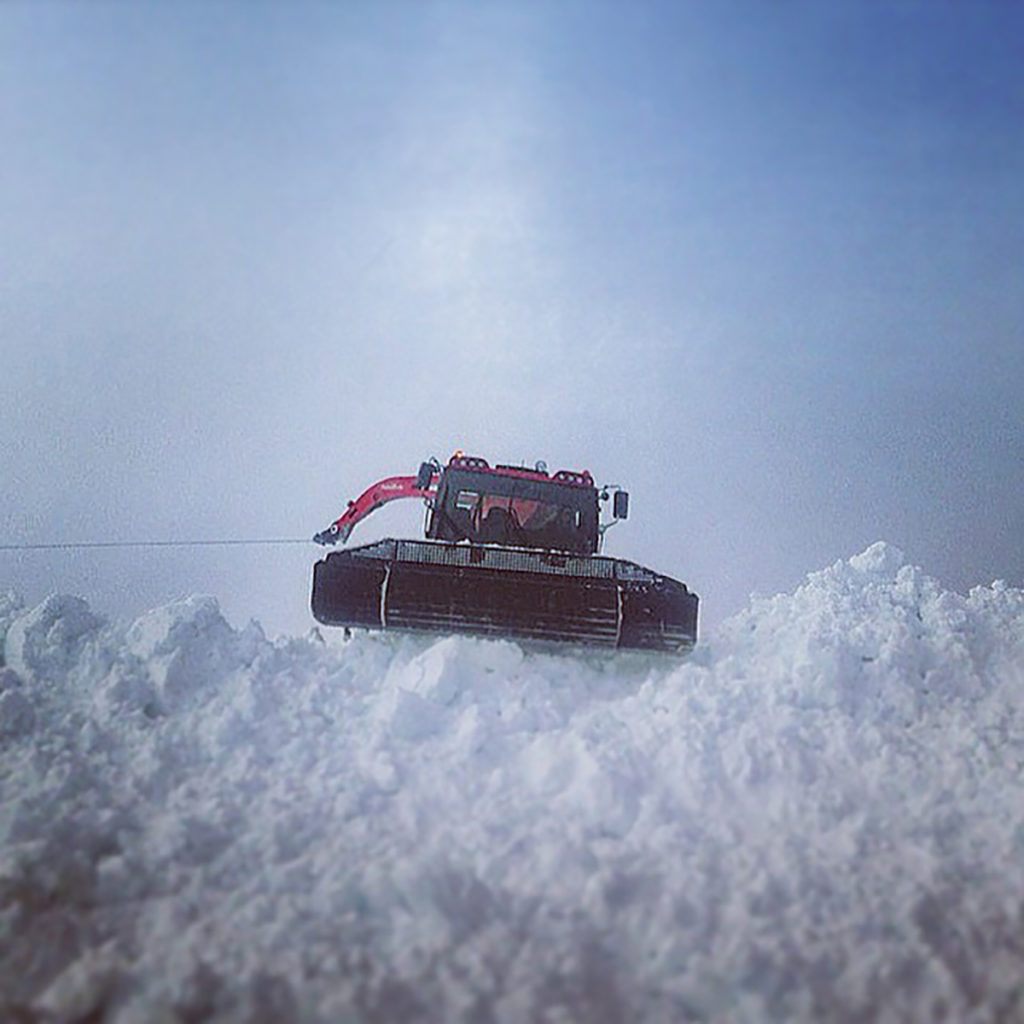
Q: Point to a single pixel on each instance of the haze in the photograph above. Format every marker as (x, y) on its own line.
(759, 263)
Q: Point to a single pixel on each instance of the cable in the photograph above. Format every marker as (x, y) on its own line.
(150, 544)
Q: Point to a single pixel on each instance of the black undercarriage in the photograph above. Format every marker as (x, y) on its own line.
(497, 591)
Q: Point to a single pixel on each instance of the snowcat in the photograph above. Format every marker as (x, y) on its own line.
(509, 552)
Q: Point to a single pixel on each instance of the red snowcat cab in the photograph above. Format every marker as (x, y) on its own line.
(510, 552)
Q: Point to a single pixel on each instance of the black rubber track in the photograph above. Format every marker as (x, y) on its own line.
(480, 590)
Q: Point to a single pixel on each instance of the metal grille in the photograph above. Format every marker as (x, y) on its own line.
(506, 559)
(486, 556)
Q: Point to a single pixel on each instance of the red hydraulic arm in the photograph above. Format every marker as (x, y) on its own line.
(380, 493)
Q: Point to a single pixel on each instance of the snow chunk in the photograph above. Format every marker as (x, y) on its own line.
(188, 646)
(48, 641)
(80, 990)
(880, 559)
(17, 715)
(11, 605)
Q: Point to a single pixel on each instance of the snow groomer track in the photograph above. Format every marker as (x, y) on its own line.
(504, 592)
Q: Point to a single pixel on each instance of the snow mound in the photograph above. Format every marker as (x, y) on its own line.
(817, 816)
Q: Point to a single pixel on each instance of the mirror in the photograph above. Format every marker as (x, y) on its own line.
(424, 476)
(620, 504)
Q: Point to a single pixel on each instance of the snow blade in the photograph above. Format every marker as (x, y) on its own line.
(519, 593)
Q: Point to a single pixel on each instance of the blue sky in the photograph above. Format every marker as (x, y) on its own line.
(759, 262)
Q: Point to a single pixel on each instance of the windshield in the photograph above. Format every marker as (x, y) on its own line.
(499, 513)
(523, 513)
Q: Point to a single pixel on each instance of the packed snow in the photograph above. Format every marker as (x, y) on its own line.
(818, 816)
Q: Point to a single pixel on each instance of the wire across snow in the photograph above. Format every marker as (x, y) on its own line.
(816, 817)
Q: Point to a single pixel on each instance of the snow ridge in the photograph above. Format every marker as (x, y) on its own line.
(817, 816)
